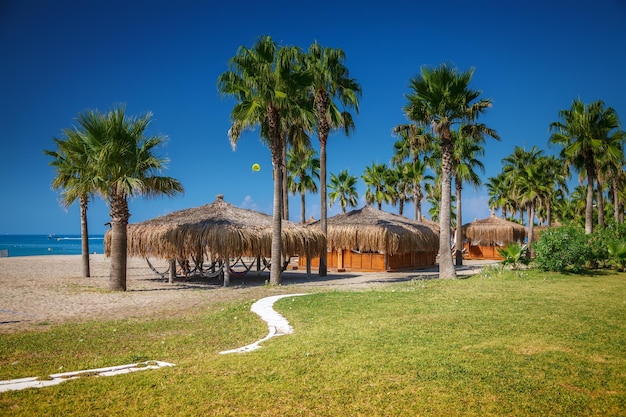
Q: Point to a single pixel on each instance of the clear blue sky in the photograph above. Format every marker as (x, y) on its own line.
(59, 58)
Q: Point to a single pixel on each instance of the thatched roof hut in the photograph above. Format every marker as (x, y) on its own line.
(374, 240)
(493, 231)
(217, 230)
(372, 230)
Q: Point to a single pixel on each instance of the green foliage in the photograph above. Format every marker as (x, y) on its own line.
(617, 253)
(514, 254)
(562, 249)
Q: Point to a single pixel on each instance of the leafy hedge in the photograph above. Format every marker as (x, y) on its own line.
(568, 248)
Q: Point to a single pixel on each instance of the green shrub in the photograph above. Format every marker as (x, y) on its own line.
(564, 248)
(514, 254)
(617, 254)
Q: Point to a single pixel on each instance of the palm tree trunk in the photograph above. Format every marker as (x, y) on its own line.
(531, 229)
(614, 186)
(323, 269)
(417, 201)
(302, 208)
(275, 269)
(458, 243)
(401, 207)
(119, 221)
(285, 190)
(446, 266)
(600, 199)
(84, 236)
(589, 202)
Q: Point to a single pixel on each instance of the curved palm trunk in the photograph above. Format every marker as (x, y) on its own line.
(446, 266)
(119, 221)
(84, 236)
(458, 241)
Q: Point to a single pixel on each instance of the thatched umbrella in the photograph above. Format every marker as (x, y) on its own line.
(372, 230)
(494, 231)
(218, 230)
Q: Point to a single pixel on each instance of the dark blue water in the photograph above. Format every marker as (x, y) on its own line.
(31, 245)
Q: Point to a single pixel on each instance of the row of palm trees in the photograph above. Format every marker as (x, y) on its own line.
(109, 155)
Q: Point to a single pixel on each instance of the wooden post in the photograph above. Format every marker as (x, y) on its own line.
(226, 271)
(172, 271)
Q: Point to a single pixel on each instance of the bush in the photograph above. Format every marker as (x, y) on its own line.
(514, 254)
(564, 248)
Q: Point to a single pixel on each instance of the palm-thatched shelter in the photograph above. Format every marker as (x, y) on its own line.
(485, 236)
(218, 231)
(369, 239)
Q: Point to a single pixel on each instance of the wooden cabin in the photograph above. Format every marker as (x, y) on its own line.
(372, 240)
(484, 237)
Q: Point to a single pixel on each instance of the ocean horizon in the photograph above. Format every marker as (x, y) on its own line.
(36, 245)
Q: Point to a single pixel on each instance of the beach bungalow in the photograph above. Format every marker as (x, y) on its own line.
(484, 237)
(218, 232)
(369, 239)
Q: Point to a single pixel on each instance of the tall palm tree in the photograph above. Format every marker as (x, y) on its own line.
(583, 133)
(75, 180)
(264, 82)
(441, 98)
(343, 187)
(303, 169)
(330, 80)
(531, 186)
(124, 166)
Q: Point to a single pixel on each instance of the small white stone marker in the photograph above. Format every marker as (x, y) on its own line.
(55, 379)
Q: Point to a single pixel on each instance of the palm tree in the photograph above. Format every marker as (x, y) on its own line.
(343, 187)
(414, 146)
(75, 180)
(303, 169)
(498, 189)
(440, 98)
(376, 177)
(583, 133)
(464, 156)
(513, 164)
(330, 80)
(124, 165)
(264, 82)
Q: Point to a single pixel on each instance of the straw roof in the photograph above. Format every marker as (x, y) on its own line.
(372, 230)
(494, 231)
(218, 229)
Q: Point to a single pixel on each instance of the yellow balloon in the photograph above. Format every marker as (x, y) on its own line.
(256, 167)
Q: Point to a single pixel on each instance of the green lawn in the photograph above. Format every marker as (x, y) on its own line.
(502, 344)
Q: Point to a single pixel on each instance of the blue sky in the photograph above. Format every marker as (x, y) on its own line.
(60, 58)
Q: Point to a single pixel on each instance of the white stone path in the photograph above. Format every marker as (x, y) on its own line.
(277, 324)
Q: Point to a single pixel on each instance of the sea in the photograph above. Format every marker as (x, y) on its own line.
(32, 245)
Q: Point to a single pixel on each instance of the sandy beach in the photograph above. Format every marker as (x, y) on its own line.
(38, 291)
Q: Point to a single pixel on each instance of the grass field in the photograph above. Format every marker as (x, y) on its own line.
(497, 344)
